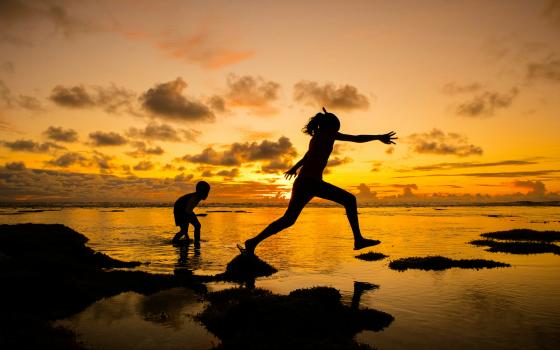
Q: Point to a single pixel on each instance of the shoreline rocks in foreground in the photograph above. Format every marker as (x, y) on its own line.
(49, 273)
(311, 318)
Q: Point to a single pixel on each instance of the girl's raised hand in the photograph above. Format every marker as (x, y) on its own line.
(290, 173)
(388, 138)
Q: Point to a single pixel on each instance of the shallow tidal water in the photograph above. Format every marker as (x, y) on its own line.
(505, 308)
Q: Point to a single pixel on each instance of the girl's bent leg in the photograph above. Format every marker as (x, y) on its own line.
(348, 200)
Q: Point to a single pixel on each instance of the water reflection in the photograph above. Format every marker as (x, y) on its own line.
(163, 320)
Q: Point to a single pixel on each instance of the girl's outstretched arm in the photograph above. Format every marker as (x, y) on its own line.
(293, 171)
(385, 138)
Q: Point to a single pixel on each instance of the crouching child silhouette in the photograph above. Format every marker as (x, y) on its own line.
(323, 129)
(184, 215)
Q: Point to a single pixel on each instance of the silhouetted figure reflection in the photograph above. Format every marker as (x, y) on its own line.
(185, 262)
(323, 128)
(184, 215)
(359, 289)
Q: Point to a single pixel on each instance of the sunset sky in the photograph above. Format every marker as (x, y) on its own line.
(138, 100)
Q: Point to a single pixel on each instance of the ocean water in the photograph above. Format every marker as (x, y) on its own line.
(506, 308)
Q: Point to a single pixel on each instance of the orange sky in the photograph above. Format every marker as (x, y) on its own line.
(137, 100)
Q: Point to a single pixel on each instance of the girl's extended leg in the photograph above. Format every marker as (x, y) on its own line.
(348, 200)
(300, 197)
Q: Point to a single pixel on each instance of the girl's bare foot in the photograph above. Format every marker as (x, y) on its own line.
(364, 243)
(250, 247)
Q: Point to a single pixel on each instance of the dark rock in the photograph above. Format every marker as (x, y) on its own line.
(524, 234)
(371, 256)
(517, 247)
(442, 263)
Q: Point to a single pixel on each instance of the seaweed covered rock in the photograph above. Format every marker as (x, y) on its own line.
(305, 319)
(517, 247)
(520, 241)
(439, 263)
(247, 267)
(524, 234)
(371, 256)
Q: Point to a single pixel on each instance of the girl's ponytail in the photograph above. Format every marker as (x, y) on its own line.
(313, 124)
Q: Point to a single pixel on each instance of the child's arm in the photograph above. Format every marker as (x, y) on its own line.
(293, 171)
(385, 138)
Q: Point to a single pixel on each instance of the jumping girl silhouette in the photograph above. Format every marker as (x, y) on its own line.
(323, 128)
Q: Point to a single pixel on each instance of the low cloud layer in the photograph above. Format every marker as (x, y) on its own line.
(267, 152)
(441, 143)
(101, 138)
(166, 100)
(163, 132)
(112, 99)
(67, 159)
(31, 146)
(487, 103)
(60, 134)
(343, 97)
(252, 92)
(547, 70)
(11, 101)
(143, 150)
(463, 165)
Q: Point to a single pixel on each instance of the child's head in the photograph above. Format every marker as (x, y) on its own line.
(322, 121)
(202, 188)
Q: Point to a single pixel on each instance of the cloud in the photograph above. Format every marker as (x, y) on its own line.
(103, 162)
(112, 99)
(163, 132)
(251, 92)
(100, 138)
(505, 174)
(461, 165)
(390, 150)
(548, 70)
(552, 11)
(18, 17)
(166, 100)
(536, 188)
(440, 143)
(227, 174)
(487, 103)
(67, 160)
(217, 103)
(75, 97)
(202, 49)
(407, 190)
(337, 161)
(7, 100)
(60, 134)
(7, 67)
(31, 146)
(144, 165)
(268, 152)
(344, 97)
(365, 193)
(15, 166)
(142, 150)
(453, 88)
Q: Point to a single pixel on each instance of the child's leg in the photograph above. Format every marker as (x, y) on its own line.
(196, 224)
(348, 200)
(183, 231)
(297, 202)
